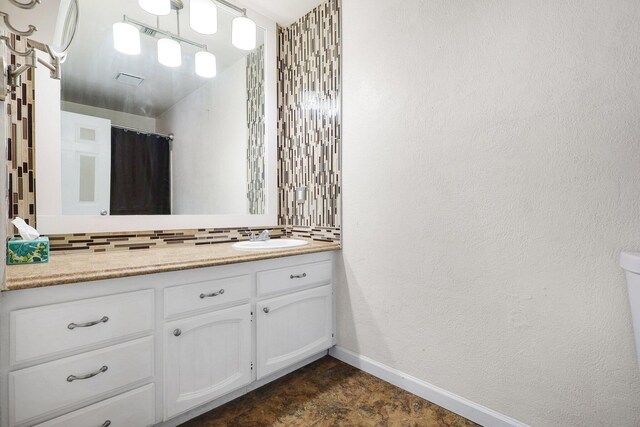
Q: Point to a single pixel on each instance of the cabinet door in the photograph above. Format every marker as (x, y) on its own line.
(206, 357)
(293, 327)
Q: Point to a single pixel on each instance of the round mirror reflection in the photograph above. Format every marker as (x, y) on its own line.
(66, 27)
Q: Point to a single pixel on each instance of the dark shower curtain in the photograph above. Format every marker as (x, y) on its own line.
(140, 174)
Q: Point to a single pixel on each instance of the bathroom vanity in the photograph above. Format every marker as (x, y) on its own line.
(132, 337)
(161, 348)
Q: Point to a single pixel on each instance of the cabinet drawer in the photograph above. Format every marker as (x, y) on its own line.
(295, 277)
(210, 293)
(135, 408)
(53, 386)
(51, 329)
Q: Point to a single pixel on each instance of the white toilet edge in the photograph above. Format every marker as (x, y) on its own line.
(630, 261)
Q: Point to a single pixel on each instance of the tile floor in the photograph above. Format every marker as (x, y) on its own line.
(329, 393)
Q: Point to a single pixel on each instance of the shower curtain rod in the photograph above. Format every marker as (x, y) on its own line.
(169, 136)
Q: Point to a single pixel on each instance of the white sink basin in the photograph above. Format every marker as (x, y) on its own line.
(270, 244)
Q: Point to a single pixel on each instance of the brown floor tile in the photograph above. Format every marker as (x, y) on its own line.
(329, 393)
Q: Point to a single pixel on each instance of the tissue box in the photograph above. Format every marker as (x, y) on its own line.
(27, 251)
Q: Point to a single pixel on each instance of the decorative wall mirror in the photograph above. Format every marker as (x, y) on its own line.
(155, 125)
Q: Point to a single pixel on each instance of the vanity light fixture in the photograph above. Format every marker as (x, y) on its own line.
(206, 65)
(243, 33)
(156, 7)
(126, 38)
(169, 48)
(203, 16)
(169, 52)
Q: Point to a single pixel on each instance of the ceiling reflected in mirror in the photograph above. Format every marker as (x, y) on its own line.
(202, 56)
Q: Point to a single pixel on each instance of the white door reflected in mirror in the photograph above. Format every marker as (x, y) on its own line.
(86, 164)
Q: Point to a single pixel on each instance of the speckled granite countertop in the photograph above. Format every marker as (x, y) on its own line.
(74, 268)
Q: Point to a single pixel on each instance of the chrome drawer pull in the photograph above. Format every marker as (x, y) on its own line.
(106, 423)
(72, 378)
(266, 310)
(72, 326)
(298, 276)
(215, 294)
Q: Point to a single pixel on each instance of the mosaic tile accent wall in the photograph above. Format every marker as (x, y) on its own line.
(256, 130)
(309, 134)
(21, 143)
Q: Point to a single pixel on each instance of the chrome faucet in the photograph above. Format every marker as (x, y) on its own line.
(262, 237)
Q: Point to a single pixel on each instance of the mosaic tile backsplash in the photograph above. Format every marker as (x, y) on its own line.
(309, 134)
(21, 144)
(102, 242)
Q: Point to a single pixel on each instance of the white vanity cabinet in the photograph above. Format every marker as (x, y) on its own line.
(160, 349)
(293, 327)
(299, 322)
(206, 357)
(64, 354)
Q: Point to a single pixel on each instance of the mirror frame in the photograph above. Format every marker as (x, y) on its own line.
(49, 218)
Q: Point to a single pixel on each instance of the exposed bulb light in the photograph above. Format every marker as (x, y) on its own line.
(126, 38)
(243, 33)
(203, 16)
(206, 65)
(169, 53)
(156, 7)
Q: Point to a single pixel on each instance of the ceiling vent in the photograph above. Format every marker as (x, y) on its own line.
(129, 79)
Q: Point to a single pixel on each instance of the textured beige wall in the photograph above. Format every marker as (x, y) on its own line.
(491, 178)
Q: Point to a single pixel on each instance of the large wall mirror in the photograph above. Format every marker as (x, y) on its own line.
(155, 125)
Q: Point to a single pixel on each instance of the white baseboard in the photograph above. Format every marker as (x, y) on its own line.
(454, 403)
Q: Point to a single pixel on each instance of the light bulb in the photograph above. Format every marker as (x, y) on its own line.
(126, 38)
(156, 7)
(203, 16)
(206, 64)
(243, 33)
(169, 53)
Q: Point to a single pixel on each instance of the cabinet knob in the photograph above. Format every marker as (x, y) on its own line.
(177, 332)
(106, 423)
(266, 309)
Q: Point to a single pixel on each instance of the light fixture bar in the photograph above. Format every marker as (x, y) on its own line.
(240, 10)
(153, 31)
